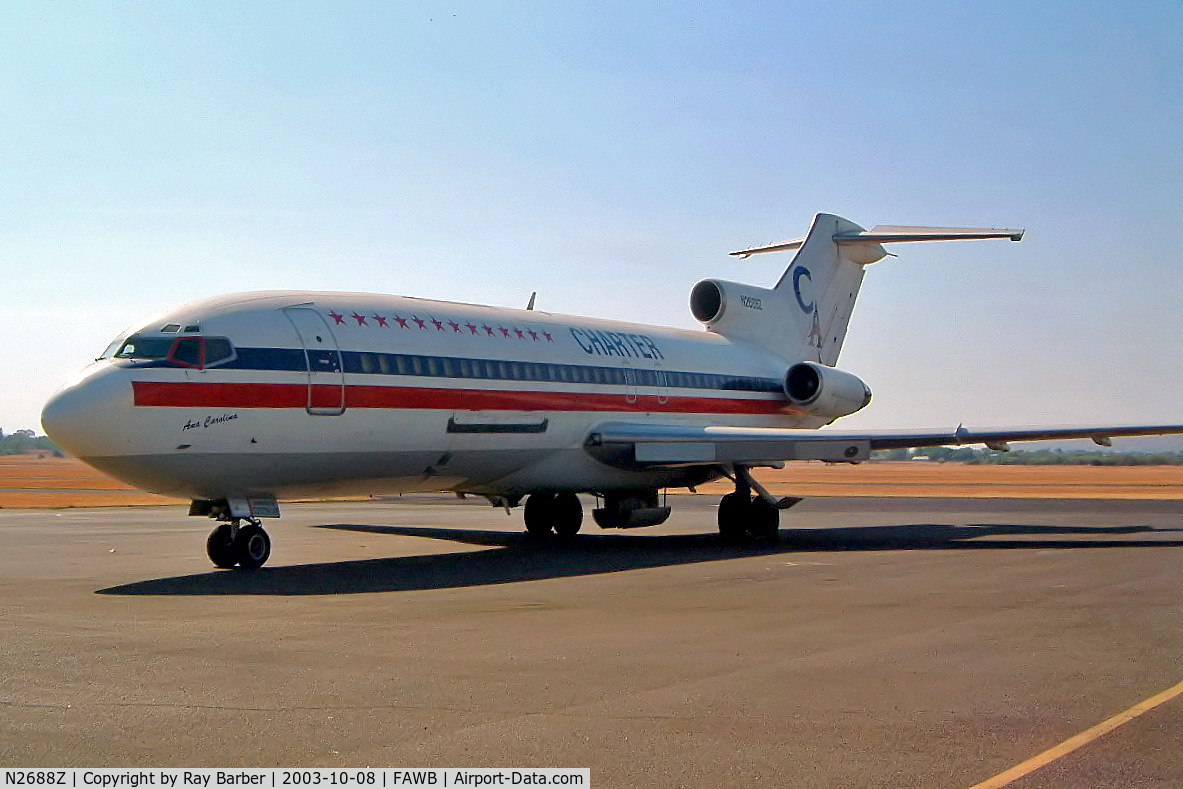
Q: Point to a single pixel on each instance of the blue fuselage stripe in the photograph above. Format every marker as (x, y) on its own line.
(403, 364)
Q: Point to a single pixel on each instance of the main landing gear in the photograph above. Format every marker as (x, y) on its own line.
(547, 513)
(234, 543)
(744, 516)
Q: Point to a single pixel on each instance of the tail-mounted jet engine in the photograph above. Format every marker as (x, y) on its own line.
(723, 305)
(825, 391)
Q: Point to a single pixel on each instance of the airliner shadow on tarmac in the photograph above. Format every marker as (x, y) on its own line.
(516, 557)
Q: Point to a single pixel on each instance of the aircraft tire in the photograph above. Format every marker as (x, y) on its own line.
(734, 512)
(567, 515)
(540, 514)
(253, 546)
(220, 548)
(764, 521)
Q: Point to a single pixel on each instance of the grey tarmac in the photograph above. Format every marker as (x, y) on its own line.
(885, 642)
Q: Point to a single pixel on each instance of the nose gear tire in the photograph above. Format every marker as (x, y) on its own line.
(253, 546)
(220, 548)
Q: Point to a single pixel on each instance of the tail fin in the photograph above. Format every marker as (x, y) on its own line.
(806, 315)
(821, 285)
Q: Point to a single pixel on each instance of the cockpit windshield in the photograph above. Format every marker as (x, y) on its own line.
(199, 352)
(111, 349)
(140, 347)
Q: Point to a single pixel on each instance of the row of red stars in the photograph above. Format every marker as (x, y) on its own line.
(404, 323)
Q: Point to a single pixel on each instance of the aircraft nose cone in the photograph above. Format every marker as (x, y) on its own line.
(82, 416)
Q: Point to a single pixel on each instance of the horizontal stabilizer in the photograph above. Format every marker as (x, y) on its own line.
(886, 234)
(883, 234)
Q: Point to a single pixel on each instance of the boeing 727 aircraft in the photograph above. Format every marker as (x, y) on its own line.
(238, 401)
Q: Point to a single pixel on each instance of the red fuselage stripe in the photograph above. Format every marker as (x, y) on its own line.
(260, 395)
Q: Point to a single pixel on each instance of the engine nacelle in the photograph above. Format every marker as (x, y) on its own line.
(716, 302)
(825, 391)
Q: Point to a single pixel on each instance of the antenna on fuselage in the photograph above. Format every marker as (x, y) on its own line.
(530, 306)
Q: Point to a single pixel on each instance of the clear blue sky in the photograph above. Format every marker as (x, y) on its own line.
(608, 155)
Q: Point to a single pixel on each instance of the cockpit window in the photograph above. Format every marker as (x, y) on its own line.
(111, 349)
(140, 347)
(196, 352)
(186, 352)
(217, 350)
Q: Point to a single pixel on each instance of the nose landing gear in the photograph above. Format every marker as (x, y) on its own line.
(239, 538)
(246, 545)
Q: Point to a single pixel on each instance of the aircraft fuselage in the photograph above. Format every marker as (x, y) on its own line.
(319, 393)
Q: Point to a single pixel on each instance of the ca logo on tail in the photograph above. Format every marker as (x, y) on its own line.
(815, 332)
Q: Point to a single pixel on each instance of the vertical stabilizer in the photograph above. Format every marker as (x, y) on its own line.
(806, 315)
(821, 285)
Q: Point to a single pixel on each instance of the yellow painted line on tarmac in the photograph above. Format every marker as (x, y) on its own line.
(1080, 740)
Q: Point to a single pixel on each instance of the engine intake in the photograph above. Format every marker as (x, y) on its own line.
(825, 391)
(727, 306)
(707, 302)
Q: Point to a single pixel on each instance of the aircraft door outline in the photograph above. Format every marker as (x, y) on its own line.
(631, 382)
(326, 374)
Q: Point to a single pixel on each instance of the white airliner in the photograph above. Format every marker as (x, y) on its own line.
(241, 400)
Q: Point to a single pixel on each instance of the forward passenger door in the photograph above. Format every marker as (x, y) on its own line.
(326, 377)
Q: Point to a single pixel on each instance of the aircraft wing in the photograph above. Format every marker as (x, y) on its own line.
(631, 444)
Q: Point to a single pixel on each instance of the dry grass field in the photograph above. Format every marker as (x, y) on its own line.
(30, 481)
(27, 481)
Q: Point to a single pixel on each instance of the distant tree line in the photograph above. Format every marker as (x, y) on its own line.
(26, 441)
(1040, 457)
